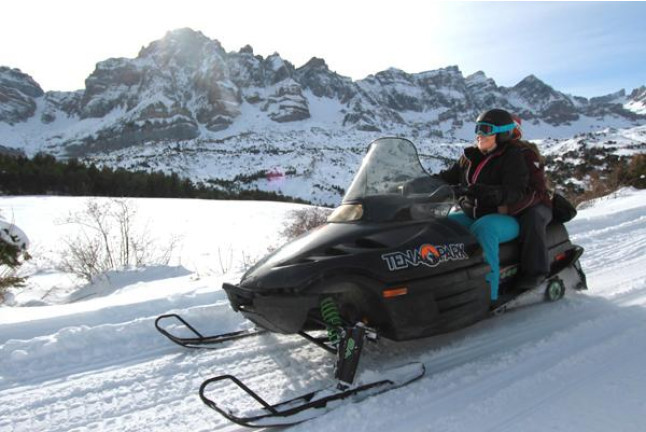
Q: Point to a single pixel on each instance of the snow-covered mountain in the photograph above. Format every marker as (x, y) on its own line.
(87, 357)
(185, 104)
(186, 85)
(317, 165)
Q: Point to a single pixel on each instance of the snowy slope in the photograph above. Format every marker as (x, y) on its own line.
(318, 163)
(98, 363)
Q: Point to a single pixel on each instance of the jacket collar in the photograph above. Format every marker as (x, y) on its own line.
(474, 153)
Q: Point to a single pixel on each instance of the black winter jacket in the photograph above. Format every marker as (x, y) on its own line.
(537, 192)
(504, 171)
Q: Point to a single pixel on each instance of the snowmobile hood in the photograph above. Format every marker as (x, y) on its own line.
(328, 242)
(399, 205)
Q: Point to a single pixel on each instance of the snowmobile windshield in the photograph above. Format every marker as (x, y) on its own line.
(391, 184)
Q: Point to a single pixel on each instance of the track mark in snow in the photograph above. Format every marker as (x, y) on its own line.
(471, 387)
(106, 397)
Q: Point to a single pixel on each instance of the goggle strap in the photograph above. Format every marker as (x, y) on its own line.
(497, 129)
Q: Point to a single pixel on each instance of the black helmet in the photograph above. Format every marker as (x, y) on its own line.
(500, 118)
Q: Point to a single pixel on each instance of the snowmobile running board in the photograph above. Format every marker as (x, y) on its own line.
(200, 341)
(313, 404)
(568, 276)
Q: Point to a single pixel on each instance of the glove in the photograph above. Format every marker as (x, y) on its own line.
(486, 194)
(459, 190)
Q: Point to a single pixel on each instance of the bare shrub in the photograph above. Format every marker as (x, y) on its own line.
(227, 262)
(303, 220)
(225, 259)
(107, 239)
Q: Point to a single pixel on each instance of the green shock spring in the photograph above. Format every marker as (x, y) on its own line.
(332, 318)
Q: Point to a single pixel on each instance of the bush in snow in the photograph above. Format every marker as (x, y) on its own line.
(636, 172)
(13, 252)
(625, 172)
(107, 239)
(303, 220)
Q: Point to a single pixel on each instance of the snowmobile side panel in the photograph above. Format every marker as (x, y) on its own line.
(438, 304)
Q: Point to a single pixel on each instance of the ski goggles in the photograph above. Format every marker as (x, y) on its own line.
(486, 129)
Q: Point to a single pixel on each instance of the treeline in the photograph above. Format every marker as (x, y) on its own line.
(45, 175)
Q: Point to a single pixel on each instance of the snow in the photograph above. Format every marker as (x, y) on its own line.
(638, 107)
(89, 357)
(620, 142)
(13, 235)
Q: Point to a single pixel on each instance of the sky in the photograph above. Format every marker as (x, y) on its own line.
(580, 48)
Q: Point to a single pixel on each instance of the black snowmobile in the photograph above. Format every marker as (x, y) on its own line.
(388, 263)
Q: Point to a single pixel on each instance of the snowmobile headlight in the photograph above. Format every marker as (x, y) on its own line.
(346, 213)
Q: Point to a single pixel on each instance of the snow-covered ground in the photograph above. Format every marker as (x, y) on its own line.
(77, 357)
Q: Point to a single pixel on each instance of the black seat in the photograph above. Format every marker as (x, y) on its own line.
(510, 251)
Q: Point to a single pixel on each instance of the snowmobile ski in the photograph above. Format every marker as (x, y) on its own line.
(200, 341)
(310, 405)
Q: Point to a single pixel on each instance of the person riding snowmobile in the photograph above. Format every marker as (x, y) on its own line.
(534, 213)
(495, 176)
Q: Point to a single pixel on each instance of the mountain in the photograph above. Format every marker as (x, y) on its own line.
(185, 104)
(636, 102)
(186, 86)
(18, 94)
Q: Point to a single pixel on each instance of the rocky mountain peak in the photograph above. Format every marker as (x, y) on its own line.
(275, 69)
(637, 100)
(392, 73)
(17, 93)
(615, 97)
(247, 49)
(316, 76)
(20, 81)
(451, 70)
(638, 93)
(315, 63)
(185, 85)
(533, 83)
(533, 90)
(479, 78)
(183, 46)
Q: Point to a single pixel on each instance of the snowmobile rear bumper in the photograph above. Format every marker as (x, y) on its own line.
(277, 312)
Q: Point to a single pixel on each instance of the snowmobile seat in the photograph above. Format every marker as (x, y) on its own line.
(557, 237)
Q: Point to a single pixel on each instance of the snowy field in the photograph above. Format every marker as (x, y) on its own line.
(77, 357)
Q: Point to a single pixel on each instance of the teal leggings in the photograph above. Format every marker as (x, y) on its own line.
(490, 230)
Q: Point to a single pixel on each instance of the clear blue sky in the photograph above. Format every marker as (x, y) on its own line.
(582, 48)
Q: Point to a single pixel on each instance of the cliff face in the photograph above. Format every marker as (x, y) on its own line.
(18, 92)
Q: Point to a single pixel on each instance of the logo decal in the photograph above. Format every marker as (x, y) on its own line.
(426, 254)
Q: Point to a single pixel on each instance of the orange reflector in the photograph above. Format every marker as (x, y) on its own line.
(560, 256)
(395, 292)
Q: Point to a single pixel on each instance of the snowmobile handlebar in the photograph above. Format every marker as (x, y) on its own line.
(459, 190)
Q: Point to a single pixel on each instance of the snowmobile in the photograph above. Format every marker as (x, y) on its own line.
(388, 263)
